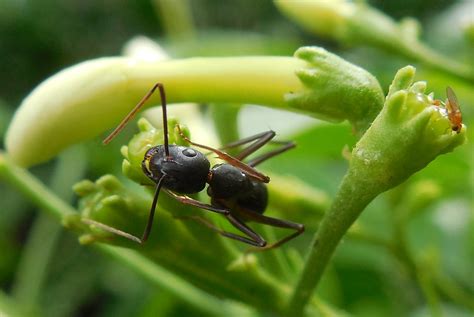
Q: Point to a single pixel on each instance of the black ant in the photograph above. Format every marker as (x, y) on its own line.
(237, 189)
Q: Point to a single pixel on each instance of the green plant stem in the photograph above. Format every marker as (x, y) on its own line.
(176, 17)
(422, 273)
(349, 202)
(225, 119)
(280, 265)
(358, 24)
(167, 280)
(362, 235)
(32, 188)
(441, 283)
(33, 267)
(394, 42)
(9, 307)
(39, 194)
(429, 291)
(452, 290)
(433, 59)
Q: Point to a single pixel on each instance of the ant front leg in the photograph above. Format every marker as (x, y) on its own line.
(146, 232)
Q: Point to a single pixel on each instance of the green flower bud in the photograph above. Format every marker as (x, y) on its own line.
(107, 201)
(408, 134)
(336, 89)
(84, 100)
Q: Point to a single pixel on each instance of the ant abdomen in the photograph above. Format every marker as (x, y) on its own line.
(255, 198)
(230, 187)
(185, 170)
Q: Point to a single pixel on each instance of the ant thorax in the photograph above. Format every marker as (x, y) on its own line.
(185, 170)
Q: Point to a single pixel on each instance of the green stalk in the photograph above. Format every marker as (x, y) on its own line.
(164, 279)
(33, 266)
(429, 291)
(32, 188)
(408, 134)
(451, 289)
(349, 202)
(358, 24)
(176, 17)
(9, 307)
(42, 197)
(225, 118)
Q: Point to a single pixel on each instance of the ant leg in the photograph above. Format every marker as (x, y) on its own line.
(259, 159)
(275, 222)
(258, 140)
(261, 139)
(196, 203)
(249, 170)
(253, 238)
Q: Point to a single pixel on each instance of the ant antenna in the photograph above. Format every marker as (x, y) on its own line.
(146, 232)
(134, 111)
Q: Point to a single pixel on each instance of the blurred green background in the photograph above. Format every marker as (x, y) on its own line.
(48, 273)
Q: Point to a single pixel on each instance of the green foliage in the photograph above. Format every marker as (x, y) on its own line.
(409, 253)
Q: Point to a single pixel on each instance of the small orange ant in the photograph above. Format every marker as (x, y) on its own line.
(452, 109)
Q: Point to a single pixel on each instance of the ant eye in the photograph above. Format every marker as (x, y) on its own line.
(189, 152)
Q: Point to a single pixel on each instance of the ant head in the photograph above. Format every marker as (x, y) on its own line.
(185, 170)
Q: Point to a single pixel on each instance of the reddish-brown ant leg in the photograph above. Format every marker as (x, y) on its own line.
(250, 171)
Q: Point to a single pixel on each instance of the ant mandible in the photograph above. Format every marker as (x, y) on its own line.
(237, 189)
